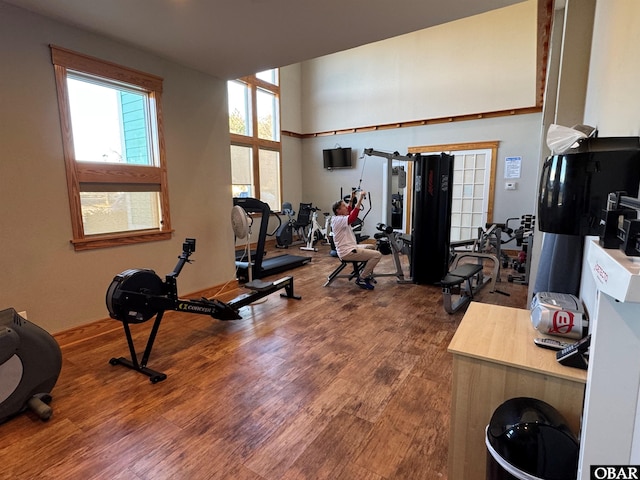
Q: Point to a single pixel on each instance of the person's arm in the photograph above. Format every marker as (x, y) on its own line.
(350, 204)
(353, 214)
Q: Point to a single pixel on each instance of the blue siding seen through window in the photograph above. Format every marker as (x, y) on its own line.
(134, 124)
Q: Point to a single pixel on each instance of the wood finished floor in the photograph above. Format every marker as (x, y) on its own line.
(344, 384)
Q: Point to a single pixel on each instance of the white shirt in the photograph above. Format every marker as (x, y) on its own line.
(343, 236)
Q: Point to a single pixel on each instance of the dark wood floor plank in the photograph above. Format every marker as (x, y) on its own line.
(345, 384)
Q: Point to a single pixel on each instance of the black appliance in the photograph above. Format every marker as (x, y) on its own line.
(337, 158)
(574, 186)
(433, 182)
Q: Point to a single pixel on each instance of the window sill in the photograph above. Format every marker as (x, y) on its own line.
(105, 241)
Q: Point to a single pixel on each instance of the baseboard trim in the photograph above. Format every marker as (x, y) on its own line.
(82, 333)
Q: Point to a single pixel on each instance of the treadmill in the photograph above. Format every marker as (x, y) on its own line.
(263, 267)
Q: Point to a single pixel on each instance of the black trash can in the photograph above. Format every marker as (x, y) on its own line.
(528, 439)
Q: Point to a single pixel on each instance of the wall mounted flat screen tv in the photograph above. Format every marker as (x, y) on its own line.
(337, 158)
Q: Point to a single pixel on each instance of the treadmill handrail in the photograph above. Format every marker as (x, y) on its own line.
(253, 205)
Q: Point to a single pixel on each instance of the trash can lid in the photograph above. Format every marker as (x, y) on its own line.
(534, 437)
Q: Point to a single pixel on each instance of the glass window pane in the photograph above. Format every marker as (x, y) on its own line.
(268, 121)
(270, 178)
(270, 76)
(469, 161)
(467, 234)
(241, 171)
(477, 220)
(136, 128)
(468, 176)
(108, 212)
(239, 108)
(109, 124)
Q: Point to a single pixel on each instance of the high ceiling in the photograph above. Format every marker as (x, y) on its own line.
(232, 38)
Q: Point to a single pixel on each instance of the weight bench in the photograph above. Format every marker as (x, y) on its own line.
(466, 279)
(357, 268)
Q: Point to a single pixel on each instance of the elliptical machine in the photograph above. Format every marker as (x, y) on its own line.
(30, 363)
(285, 231)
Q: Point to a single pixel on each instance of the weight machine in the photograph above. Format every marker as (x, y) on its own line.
(388, 242)
(137, 295)
(395, 243)
(390, 157)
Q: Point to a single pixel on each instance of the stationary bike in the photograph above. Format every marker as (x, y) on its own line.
(316, 232)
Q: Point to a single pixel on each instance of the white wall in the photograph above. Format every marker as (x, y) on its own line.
(518, 136)
(41, 273)
(291, 121)
(613, 96)
(477, 64)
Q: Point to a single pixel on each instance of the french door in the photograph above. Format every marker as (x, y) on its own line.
(473, 185)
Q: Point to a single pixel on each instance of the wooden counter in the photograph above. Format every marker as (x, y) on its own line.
(495, 359)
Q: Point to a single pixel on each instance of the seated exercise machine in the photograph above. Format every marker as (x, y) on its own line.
(388, 242)
(355, 273)
(137, 295)
(30, 363)
(261, 266)
(465, 279)
(491, 239)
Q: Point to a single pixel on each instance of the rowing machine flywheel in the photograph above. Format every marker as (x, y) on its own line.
(126, 296)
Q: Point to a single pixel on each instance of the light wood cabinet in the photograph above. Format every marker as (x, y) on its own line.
(495, 359)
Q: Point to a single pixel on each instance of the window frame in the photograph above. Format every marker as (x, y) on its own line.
(253, 140)
(110, 176)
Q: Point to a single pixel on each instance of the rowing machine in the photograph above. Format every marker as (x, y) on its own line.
(137, 295)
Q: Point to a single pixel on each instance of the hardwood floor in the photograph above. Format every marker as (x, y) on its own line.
(343, 384)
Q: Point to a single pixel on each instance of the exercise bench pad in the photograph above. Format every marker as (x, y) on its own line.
(460, 274)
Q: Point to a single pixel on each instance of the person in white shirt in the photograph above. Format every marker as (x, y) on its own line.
(344, 239)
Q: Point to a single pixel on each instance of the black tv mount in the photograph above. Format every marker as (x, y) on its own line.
(137, 295)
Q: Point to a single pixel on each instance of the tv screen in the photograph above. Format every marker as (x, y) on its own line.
(337, 158)
(575, 185)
